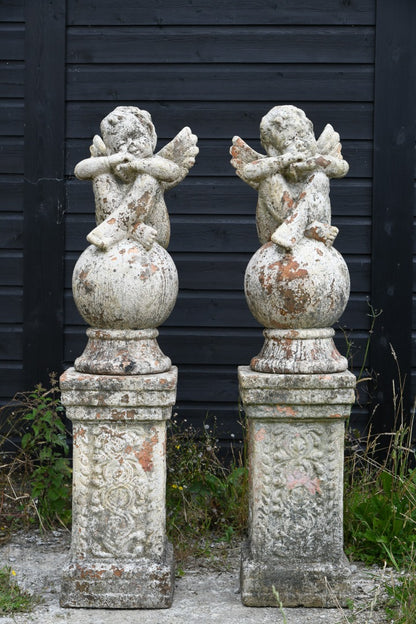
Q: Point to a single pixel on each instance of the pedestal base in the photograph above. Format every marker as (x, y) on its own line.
(122, 352)
(139, 584)
(299, 351)
(295, 454)
(119, 554)
(298, 585)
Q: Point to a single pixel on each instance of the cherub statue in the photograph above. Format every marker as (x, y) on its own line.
(293, 179)
(129, 181)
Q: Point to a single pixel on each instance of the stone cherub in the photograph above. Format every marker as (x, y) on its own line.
(129, 180)
(293, 179)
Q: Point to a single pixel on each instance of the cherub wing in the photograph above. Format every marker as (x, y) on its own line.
(242, 154)
(329, 146)
(182, 151)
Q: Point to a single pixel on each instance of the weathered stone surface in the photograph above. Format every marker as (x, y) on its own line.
(296, 441)
(122, 352)
(305, 289)
(126, 280)
(119, 554)
(296, 280)
(299, 351)
(297, 392)
(128, 287)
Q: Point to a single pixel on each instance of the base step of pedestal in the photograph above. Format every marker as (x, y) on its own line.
(303, 585)
(101, 584)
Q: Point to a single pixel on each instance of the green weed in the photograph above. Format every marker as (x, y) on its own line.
(35, 474)
(401, 604)
(206, 497)
(12, 598)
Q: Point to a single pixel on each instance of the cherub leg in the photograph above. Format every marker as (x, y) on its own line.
(135, 206)
(291, 230)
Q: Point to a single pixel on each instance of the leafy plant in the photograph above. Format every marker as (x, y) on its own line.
(206, 497)
(401, 604)
(35, 474)
(380, 494)
(12, 598)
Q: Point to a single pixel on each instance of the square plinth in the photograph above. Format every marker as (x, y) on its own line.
(139, 584)
(119, 554)
(295, 425)
(301, 584)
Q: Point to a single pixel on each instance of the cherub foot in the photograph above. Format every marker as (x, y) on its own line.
(279, 239)
(144, 234)
(105, 235)
(322, 232)
(94, 239)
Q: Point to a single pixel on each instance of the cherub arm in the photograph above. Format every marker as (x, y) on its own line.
(99, 162)
(161, 168)
(242, 156)
(253, 167)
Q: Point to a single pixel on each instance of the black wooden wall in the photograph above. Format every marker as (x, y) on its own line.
(217, 66)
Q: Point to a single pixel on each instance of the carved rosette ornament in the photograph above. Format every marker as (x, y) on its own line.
(297, 392)
(120, 392)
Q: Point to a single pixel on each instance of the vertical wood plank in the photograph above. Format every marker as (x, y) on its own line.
(44, 193)
(394, 136)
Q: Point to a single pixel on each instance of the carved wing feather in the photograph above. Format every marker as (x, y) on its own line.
(242, 154)
(328, 143)
(182, 150)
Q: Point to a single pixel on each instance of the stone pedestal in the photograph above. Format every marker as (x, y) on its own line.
(119, 557)
(296, 443)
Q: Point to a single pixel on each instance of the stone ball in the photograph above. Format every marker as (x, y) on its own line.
(126, 287)
(308, 288)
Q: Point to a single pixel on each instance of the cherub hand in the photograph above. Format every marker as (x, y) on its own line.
(98, 147)
(144, 234)
(297, 170)
(120, 157)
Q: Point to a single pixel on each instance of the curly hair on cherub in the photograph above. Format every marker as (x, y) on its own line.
(139, 120)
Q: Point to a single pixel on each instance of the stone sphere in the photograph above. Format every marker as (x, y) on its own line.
(126, 287)
(308, 288)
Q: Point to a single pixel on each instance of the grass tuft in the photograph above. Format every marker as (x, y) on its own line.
(12, 598)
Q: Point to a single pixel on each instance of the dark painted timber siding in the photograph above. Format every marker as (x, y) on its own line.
(217, 67)
(12, 35)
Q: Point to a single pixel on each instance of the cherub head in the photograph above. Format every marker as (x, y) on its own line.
(129, 129)
(287, 129)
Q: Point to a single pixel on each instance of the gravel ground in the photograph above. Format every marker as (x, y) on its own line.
(207, 592)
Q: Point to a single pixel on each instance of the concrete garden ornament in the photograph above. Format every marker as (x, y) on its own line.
(125, 284)
(120, 393)
(297, 392)
(296, 280)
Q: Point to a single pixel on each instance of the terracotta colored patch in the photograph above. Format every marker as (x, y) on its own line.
(335, 416)
(287, 199)
(111, 221)
(117, 572)
(287, 411)
(288, 269)
(260, 435)
(299, 478)
(78, 433)
(145, 455)
(322, 162)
